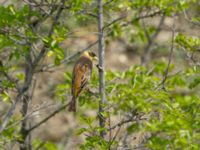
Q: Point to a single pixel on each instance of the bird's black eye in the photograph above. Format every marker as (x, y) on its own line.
(92, 54)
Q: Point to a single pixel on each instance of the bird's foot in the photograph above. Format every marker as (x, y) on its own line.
(99, 67)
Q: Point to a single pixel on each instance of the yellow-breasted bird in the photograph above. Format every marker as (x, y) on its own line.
(81, 74)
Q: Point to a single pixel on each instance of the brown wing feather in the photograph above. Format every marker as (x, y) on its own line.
(82, 74)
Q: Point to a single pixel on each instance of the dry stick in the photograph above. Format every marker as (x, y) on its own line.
(170, 55)
(101, 68)
(48, 117)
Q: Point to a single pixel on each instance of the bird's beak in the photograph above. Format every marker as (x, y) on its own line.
(95, 58)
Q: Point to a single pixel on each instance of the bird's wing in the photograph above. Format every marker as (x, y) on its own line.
(82, 73)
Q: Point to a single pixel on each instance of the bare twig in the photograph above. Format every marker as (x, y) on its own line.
(114, 21)
(48, 117)
(170, 55)
(115, 136)
(133, 118)
(134, 19)
(121, 123)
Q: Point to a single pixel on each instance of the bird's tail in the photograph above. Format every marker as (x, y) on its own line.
(72, 105)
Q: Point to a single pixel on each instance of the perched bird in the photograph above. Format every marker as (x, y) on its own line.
(81, 74)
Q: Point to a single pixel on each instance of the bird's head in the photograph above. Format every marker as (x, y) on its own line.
(91, 55)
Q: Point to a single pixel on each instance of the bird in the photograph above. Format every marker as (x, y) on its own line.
(81, 74)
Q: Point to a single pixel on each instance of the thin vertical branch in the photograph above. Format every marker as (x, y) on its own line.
(170, 55)
(101, 68)
(147, 49)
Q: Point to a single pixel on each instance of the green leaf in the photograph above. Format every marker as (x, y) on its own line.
(81, 130)
(194, 83)
(50, 146)
(5, 96)
(53, 43)
(132, 128)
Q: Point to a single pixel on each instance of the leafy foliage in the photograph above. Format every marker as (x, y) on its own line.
(31, 42)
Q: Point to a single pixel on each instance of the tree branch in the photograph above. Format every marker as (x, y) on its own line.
(134, 19)
(48, 117)
(121, 123)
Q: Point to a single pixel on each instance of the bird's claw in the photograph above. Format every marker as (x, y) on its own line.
(99, 67)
